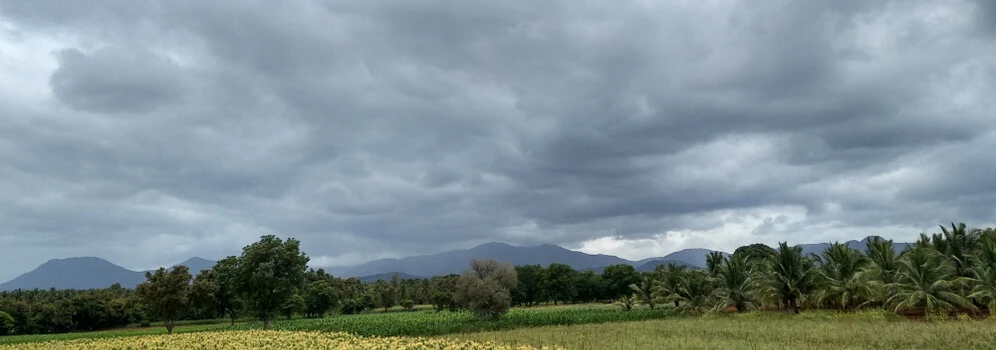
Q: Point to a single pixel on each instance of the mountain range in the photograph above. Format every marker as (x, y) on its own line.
(90, 272)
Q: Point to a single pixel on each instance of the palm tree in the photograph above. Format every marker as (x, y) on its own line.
(693, 289)
(983, 281)
(790, 277)
(924, 280)
(713, 260)
(958, 245)
(881, 271)
(645, 290)
(841, 284)
(735, 283)
(668, 278)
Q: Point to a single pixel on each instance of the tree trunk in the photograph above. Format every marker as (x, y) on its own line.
(266, 323)
(792, 307)
(233, 319)
(169, 326)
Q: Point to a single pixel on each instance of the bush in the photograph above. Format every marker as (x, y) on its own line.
(145, 324)
(408, 304)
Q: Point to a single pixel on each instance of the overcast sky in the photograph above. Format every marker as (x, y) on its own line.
(147, 132)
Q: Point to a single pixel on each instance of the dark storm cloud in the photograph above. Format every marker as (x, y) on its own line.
(190, 128)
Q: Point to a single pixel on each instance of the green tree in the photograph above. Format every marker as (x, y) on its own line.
(560, 282)
(713, 261)
(618, 278)
(166, 294)
(293, 305)
(790, 276)
(529, 290)
(842, 285)
(694, 290)
(924, 282)
(384, 294)
(6, 323)
(320, 297)
(645, 290)
(590, 287)
(668, 277)
(735, 283)
(754, 253)
(485, 288)
(225, 274)
(204, 295)
(983, 280)
(268, 274)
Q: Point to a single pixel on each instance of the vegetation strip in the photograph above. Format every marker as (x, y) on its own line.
(265, 340)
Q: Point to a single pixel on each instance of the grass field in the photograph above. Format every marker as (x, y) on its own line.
(757, 331)
(598, 327)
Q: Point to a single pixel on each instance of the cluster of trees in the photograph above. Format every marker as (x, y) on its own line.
(953, 271)
(56, 311)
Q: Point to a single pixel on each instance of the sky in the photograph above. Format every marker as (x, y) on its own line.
(147, 132)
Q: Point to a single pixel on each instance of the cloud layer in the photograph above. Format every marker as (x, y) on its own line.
(147, 132)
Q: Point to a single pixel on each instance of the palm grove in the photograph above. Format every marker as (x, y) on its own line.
(940, 274)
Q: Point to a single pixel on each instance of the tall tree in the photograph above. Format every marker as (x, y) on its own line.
(735, 283)
(225, 275)
(645, 290)
(925, 281)
(790, 276)
(204, 295)
(485, 287)
(668, 277)
(269, 273)
(529, 290)
(166, 294)
(618, 278)
(560, 282)
(713, 261)
(842, 285)
(319, 298)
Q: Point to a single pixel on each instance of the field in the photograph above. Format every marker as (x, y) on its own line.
(586, 327)
(758, 331)
(263, 340)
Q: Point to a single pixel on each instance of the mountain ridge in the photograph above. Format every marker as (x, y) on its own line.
(93, 272)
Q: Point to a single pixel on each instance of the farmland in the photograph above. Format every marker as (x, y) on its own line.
(598, 330)
(263, 340)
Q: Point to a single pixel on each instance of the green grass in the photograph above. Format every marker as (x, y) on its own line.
(430, 323)
(817, 330)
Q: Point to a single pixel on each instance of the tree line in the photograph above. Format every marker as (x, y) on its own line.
(952, 271)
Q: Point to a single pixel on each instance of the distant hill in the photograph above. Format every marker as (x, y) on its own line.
(387, 277)
(86, 273)
(649, 266)
(691, 257)
(862, 245)
(456, 260)
(195, 265)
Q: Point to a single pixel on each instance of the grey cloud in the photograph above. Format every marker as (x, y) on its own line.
(115, 79)
(374, 126)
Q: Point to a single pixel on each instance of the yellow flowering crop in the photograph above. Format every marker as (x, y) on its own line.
(237, 340)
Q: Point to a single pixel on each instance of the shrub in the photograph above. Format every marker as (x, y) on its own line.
(408, 304)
